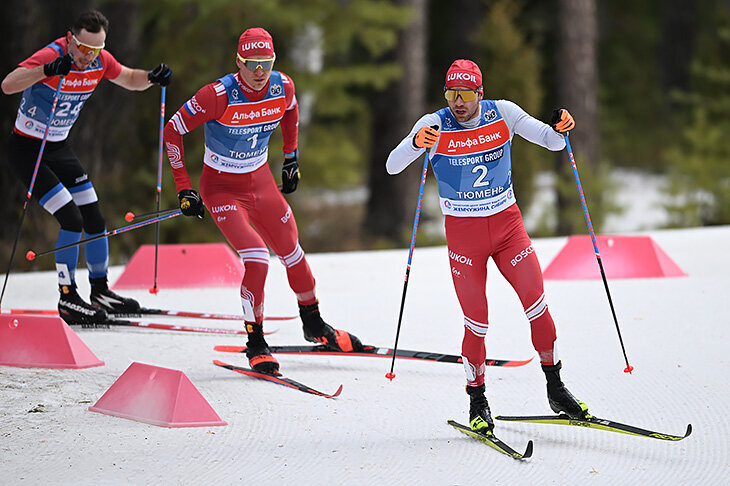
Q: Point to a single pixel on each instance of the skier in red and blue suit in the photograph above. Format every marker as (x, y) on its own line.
(470, 145)
(239, 112)
(62, 185)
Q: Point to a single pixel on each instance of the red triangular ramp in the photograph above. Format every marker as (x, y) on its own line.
(42, 342)
(182, 266)
(157, 396)
(622, 257)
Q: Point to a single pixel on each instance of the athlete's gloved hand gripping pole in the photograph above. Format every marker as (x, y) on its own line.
(428, 140)
(161, 75)
(562, 122)
(31, 255)
(60, 66)
(426, 137)
(290, 172)
(190, 203)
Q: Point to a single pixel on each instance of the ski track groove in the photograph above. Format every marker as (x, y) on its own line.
(270, 425)
(378, 432)
(624, 399)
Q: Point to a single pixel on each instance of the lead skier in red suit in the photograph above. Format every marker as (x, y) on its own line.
(240, 111)
(470, 145)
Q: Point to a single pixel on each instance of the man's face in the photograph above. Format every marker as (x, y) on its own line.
(253, 73)
(85, 46)
(464, 110)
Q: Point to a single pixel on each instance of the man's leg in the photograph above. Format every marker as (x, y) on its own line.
(55, 198)
(229, 207)
(516, 260)
(518, 263)
(274, 220)
(469, 247)
(73, 176)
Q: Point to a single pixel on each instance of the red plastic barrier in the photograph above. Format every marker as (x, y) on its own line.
(42, 342)
(182, 266)
(157, 396)
(622, 257)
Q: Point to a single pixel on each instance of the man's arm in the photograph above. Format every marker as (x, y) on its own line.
(207, 104)
(290, 134)
(132, 79)
(22, 78)
(405, 153)
(290, 121)
(44, 63)
(529, 128)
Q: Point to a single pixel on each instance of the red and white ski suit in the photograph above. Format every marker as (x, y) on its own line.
(472, 164)
(237, 187)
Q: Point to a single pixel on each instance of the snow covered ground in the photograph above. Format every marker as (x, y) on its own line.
(378, 432)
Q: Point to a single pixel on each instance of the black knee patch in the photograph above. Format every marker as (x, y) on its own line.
(69, 217)
(92, 218)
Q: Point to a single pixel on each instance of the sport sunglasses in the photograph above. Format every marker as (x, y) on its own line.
(466, 94)
(254, 64)
(86, 49)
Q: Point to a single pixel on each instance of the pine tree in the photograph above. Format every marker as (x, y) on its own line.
(700, 179)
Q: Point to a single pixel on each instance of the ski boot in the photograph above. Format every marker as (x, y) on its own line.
(113, 303)
(257, 351)
(318, 331)
(480, 417)
(559, 398)
(73, 309)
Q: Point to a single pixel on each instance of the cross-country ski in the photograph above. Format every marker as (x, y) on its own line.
(277, 378)
(144, 311)
(373, 351)
(492, 441)
(594, 423)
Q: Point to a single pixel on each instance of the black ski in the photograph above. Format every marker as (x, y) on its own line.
(375, 352)
(200, 315)
(158, 312)
(492, 441)
(594, 423)
(165, 327)
(277, 378)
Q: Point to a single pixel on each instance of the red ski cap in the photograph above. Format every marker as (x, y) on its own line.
(464, 74)
(255, 42)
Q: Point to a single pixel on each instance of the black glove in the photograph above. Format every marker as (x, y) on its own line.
(60, 66)
(290, 173)
(190, 203)
(160, 75)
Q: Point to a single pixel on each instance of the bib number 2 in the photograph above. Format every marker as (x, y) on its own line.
(480, 180)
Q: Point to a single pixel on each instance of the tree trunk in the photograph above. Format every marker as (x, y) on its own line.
(392, 200)
(577, 75)
(679, 29)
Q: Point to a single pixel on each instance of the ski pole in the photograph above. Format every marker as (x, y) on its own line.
(154, 289)
(130, 216)
(32, 184)
(390, 375)
(31, 255)
(628, 368)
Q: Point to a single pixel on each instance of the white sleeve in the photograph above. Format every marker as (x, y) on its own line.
(405, 153)
(529, 128)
